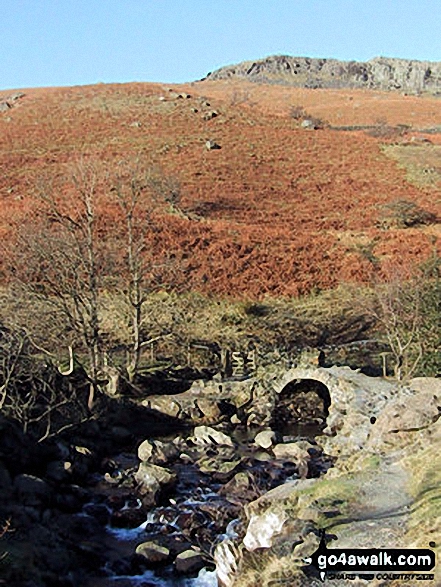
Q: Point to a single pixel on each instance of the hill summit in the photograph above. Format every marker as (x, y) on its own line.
(380, 73)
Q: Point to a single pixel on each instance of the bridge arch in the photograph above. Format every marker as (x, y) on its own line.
(303, 396)
(302, 401)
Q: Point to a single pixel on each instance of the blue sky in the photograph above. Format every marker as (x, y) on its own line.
(71, 42)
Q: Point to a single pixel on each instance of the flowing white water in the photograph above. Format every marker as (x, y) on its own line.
(230, 531)
(204, 579)
(128, 534)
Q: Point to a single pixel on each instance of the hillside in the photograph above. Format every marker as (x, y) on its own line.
(189, 378)
(380, 73)
(281, 208)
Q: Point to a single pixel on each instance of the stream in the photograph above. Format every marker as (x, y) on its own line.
(213, 480)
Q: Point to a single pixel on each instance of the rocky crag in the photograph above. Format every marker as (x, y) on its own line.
(380, 73)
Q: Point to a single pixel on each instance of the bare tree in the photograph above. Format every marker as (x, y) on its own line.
(142, 192)
(67, 257)
(398, 310)
(129, 192)
(63, 260)
(408, 310)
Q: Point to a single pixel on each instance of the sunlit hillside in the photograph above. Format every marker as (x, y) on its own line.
(304, 189)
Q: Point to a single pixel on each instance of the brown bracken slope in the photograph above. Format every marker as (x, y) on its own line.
(279, 209)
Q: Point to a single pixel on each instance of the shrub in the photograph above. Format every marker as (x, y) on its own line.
(298, 113)
(404, 214)
(33, 391)
(408, 313)
(256, 309)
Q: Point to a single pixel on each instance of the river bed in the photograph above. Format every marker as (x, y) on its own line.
(203, 509)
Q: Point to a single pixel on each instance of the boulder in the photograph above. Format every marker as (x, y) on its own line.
(79, 527)
(128, 518)
(212, 146)
(66, 500)
(164, 452)
(210, 115)
(189, 562)
(124, 566)
(210, 409)
(120, 434)
(153, 552)
(241, 487)
(32, 491)
(220, 470)
(207, 435)
(16, 96)
(293, 450)
(262, 456)
(145, 450)
(296, 452)
(186, 519)
(157, 452)
(262, 528)
(164, 405)
(151, 480)
(310, 124)
(265, 438)
(417, 409)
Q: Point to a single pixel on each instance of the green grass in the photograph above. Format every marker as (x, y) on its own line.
(421, 162)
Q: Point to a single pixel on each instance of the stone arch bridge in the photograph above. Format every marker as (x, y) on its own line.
(348, 399)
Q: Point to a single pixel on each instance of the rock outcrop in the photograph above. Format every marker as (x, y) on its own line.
(380, 73)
